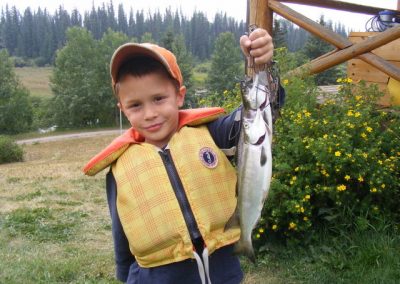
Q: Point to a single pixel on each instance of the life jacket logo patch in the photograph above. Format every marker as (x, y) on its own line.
(208, 157)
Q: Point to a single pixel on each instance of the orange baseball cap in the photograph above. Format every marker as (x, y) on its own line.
(130, 50)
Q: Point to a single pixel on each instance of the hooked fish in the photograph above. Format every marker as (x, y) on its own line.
(254, 159)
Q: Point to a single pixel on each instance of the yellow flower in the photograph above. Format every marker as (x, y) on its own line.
(375, 208)
(325, 121)
(380, 162)
(365, 155)
(339, 80)
(383, 185)
(374, 189)
(349, 155)
(360, 179)
(358, 98)
(369, 129)
(357, 114)
(258, 236)
(305, 218)
(274, 227)
(307, 197)
(302, 209)
(350, 112)
(363, 135)
(346, 177)
(337, 153)
(325, 136)
(225, 92)
(341, 187)
(296, 169)
(285, 82)
(261, 230)
(292, 226)
(349, 80)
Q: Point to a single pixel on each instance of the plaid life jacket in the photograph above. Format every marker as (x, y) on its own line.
(150, 182)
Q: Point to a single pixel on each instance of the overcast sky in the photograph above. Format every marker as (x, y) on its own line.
(233, 8)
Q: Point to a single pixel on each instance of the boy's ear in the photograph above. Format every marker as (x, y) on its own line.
(120, 106)
(181, 96)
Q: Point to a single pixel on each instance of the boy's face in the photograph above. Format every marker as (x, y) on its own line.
(151, 104)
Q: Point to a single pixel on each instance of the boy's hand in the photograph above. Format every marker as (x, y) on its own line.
(257, 45)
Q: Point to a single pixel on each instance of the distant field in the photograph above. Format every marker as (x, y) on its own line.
(36, 80)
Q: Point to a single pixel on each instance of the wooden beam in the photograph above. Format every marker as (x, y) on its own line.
(326, 62)
(331, 37)
(340, 5)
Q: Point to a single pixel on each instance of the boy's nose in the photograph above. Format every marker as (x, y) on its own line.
(149, 113)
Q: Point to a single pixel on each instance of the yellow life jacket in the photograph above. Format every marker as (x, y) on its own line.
(146, 202)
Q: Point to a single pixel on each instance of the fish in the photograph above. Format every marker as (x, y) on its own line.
(253, 159)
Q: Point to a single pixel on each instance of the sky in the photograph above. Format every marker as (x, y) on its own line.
(233, 8)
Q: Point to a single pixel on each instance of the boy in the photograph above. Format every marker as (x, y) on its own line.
(170, 188)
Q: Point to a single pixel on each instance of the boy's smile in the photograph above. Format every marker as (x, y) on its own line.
(151, 104)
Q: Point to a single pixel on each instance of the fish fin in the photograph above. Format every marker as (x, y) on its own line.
(263, 157)
(233, 221)
(245, 247)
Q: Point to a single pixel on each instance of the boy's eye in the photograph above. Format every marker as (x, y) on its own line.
(134, 105)
(160, 98)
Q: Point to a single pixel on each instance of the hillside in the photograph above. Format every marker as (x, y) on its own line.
(36, 80)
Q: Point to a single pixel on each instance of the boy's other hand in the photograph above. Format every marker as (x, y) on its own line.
(258, 45)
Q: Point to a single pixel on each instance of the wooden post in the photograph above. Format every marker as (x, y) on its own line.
(398, 5)
(260, 14)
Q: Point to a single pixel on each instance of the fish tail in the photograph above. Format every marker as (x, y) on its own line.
(245, 247)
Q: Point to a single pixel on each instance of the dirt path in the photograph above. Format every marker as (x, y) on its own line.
(69, 136)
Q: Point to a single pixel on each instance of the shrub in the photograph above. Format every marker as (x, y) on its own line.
(9, 150)
(336, 163)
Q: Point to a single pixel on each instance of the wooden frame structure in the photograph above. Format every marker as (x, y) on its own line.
(261, 14)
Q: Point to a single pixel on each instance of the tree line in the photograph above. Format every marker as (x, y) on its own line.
(37, 34)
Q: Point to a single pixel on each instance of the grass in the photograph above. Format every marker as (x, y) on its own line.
(36, 80)
(55, 228)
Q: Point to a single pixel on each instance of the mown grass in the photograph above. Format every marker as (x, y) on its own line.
(55, 228)
(36, 80)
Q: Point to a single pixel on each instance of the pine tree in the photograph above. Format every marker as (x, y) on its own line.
(316, 47)
(122, 21)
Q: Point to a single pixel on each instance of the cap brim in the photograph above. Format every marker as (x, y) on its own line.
(130, 50)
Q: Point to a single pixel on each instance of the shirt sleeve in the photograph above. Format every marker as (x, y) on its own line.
(123, 256)
(225, 130)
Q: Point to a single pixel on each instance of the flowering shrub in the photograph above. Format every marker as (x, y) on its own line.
(336, 159)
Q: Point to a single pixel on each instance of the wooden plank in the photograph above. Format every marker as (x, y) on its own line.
(359, 70)
(339, 5)
(389, 51)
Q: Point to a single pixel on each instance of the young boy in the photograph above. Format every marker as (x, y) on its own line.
(170, 188)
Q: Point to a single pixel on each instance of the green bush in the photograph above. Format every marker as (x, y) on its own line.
(336, 162)
(9, 150)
